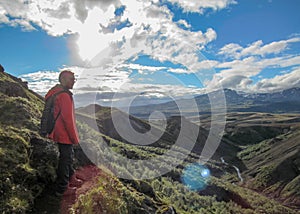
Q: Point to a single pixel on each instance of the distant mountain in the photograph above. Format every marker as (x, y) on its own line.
(287, 95)
(278, 102)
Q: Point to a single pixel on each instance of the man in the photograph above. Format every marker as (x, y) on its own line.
(65, 132)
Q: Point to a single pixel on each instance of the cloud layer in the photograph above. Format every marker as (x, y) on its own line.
(106, 37)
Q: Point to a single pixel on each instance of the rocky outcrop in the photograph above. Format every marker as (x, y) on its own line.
(1, 68)
(13, 86)
(12, 89)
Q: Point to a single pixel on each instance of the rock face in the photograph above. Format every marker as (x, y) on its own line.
(12, 89)
(12, 86)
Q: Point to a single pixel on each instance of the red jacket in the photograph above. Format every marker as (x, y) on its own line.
(65, 130)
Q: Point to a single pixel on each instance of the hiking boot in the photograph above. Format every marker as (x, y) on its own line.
(75, 182)
(68, 191)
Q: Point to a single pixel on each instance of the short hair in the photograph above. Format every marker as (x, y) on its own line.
(63, 74)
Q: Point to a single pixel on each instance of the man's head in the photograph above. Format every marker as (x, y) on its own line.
(67, 79)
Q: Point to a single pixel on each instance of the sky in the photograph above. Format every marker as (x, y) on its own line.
(153, 50)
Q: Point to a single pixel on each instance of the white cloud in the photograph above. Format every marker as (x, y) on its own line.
(149, 27)
(250, 66)
(231, 50)
(279, 82)
(41, 81)
(257, 48)
(200, 6)
(237, 74)
(244, 63)
(290, 61)
(142, 68)
(184, 23)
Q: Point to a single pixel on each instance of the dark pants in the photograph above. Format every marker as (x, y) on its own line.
(65, 166)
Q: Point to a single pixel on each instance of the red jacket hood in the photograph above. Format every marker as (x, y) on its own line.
(54, 90)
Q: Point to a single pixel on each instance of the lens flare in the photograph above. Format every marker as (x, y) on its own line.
(195, 176)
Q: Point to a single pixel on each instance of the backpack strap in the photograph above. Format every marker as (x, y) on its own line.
(54, 97)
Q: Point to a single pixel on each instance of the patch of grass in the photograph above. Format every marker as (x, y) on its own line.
(20, 112)
(292, 188)
(253, 150)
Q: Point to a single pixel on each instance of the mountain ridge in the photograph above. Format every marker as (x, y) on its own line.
(287, 100)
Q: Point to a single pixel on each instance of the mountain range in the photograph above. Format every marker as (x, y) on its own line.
(286, 101)
(255, 168)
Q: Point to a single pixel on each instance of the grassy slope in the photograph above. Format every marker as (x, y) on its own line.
(221, 196)
(273, 167)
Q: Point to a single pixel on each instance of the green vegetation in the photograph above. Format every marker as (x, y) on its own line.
(166, 192)
(15, 188)
(21, 178)
(253, 150)
(105, 197)
(19, 109)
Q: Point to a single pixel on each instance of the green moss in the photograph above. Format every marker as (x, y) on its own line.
(17, 175)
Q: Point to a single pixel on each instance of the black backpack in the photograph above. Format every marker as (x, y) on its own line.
(48, 120)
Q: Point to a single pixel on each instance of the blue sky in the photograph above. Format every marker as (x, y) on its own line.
(158, 48)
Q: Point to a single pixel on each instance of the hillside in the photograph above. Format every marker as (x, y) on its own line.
(27, 162)
(243, 176)
(270, 152)
(237, 128)
(168, 136)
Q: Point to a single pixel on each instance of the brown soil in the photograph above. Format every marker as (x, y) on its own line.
(50, 204)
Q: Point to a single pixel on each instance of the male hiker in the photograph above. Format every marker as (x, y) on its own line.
(64, 132)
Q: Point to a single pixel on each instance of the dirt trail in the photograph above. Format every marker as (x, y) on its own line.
(48, 203)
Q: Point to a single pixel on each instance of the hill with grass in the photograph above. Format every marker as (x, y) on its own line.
(254, 170)
(27, 161)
